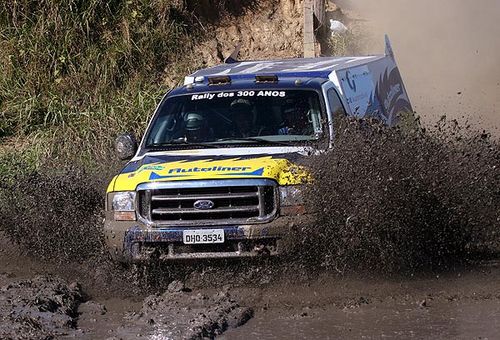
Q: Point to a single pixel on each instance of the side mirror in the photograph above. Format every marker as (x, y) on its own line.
(126, 145)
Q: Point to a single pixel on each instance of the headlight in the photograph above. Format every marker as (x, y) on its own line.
(124, 201)
(291, 195)
(123, 205)
(292, 201)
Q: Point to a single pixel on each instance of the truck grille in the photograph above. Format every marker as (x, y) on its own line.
(234, 201)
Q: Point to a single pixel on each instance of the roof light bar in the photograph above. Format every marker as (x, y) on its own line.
(266, 78)
(219, 80)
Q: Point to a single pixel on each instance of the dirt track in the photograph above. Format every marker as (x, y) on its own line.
(462, 303)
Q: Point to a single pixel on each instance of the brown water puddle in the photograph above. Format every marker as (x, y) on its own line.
(460, 305)
(453, 320)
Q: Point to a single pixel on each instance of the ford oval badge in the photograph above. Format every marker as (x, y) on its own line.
(203, 204)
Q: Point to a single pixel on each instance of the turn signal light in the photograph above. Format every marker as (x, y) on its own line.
(293, 210)
(125, 216)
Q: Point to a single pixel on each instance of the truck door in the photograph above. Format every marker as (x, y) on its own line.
(334, 108)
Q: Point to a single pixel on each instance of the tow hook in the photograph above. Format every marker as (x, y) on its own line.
(261, 249)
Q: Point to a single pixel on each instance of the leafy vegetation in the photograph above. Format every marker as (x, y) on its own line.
(77, 72)
(352, 42)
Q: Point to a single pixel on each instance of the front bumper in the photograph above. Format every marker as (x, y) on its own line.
(134, 242)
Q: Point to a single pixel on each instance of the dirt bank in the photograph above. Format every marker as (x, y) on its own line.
(280, 19)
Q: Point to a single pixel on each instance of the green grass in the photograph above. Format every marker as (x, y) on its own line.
(75, 73)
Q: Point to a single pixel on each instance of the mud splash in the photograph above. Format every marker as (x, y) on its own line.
(55, 213)
(392, 200)
(51, 224)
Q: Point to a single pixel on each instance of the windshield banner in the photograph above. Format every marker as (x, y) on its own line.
(234, 94)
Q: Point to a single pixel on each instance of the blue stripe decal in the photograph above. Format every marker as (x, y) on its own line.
(155, 176)
(258, 172)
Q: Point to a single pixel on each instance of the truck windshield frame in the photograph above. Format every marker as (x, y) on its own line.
(239, 118)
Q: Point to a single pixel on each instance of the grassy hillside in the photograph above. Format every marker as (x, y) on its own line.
(77, 72)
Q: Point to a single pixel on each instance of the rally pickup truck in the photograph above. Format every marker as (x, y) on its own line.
(217, 173)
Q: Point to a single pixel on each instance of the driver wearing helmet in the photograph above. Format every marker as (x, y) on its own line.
(295, 119)
(197, 129)
(243, 118)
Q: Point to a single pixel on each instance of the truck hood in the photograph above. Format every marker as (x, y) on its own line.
(204, 164)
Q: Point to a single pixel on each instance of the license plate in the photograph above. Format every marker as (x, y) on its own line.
(203, 236)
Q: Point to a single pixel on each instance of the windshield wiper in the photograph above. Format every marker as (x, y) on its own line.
(253, 139)
(184, 143)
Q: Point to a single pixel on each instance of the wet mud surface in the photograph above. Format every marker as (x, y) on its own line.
(167, 315)
(42, 307)
(180, 313)
(393, 320)
(460, 303)
(43, 300)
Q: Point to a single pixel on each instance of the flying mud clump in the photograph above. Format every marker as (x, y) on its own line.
(392, 200)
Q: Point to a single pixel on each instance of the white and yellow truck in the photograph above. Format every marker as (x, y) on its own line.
(218, 172)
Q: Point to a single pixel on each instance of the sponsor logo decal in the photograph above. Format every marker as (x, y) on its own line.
(210, 169)
(222, 170)
(350, 81)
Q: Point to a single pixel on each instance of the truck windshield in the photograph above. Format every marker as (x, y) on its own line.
(264, 116)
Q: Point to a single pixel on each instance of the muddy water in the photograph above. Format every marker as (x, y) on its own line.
(460, 305)
(465, 320)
